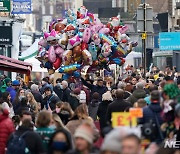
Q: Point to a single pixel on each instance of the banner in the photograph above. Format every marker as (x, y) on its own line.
(6, 35)
(169, 41)
(21, 7)
(4, 5)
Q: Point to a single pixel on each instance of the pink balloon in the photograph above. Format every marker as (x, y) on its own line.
(42, 43)
(51, 54)
(104, 30)
(96, 28)
(123, 29)
(59, 51)
(86, 35)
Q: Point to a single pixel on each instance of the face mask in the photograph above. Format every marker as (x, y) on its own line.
(58, 110)
(61, 87)
(58, 85)
(52, 127)
(21, 97)
(60, 146)
(43, 82)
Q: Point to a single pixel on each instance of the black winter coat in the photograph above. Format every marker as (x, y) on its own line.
(58, 92)
(95, 88)
(119, 105)
(66, 95)
(51, 100)
(74, 101)
(32, 139)
(101, 113)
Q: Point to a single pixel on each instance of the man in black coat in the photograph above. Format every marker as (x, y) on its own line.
(57, 89)
(99, 87)
(66, 91)
(118, 105)
(50, 100)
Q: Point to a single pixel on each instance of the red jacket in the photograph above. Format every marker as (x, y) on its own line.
(6, 128)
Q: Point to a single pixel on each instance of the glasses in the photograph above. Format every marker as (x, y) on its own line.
(22, 92)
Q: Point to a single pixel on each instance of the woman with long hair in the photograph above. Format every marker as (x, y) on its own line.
(17, 101)
(80, 115)
(32, 102)
(6, 103)
(57, 122)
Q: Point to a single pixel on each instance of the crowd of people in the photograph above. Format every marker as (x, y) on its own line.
(76, 117)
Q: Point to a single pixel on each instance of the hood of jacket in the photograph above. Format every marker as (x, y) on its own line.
(155, 107)
(139, 93)
(94, 102)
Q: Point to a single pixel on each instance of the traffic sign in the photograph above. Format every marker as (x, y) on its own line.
(144, 36)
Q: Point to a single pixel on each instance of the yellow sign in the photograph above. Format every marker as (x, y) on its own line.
(123, 119)
(136, 112)
(144, 36)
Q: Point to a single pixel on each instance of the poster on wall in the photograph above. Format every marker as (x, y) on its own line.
(6, 35)
(21, 7)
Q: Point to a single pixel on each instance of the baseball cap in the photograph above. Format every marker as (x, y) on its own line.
(16, 83)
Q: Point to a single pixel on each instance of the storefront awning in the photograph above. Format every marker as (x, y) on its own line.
(13, 65)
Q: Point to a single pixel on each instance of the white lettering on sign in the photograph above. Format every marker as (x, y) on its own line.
(21, 6)
(4, 40)
(172, 144)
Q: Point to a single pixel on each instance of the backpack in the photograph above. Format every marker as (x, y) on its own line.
(17, 145)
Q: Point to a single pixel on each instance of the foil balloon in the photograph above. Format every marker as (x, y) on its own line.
(123, 29)
(77, 53)
(70, 30)
(70, 68)
(86, 35)
(59, 27)
(59, 51)
(43, 43)
(106, 50)
(93, 50)
(76, 74)
(96, 28)
(82, 12)
(84, 46)
(48, 65)
(57, 63)
(63, 41)
(51, 54)
(87, 58)
(73, 42)
(67, 57)
(107, 39)
(51, 37)
(96, 39)
(104, 31)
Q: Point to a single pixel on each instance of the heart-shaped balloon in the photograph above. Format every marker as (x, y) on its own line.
(51, 54)
(59, 51)
(57, 63)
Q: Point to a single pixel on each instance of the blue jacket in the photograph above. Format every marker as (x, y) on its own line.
(12, 92)
(148, 113)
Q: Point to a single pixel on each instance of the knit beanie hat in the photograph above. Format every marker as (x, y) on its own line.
(112, 142)
(84, 131)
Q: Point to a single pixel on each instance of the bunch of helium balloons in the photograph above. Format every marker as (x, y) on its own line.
(81, 39)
